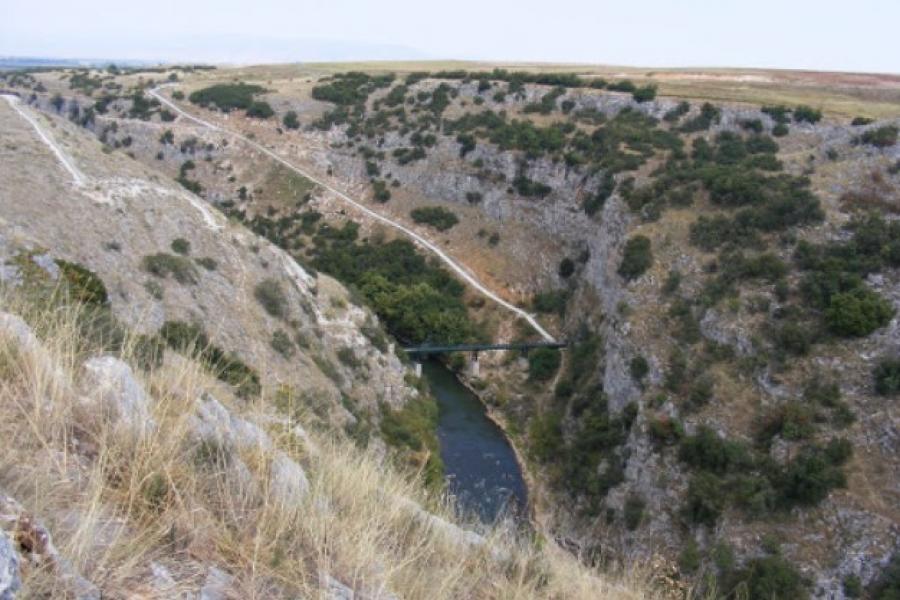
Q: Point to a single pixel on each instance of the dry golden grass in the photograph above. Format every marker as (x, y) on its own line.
(118, 499)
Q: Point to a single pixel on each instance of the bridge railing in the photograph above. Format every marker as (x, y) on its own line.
(448, 348)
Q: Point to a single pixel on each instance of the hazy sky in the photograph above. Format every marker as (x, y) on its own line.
(857, 35)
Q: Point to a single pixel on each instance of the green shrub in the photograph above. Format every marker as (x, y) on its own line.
(852, 586)
(887, 377)
(167, 137)
(413, 428)
(636, 258)
(706, 450)
(638, 367)
(350, 88)
(634, 511)
(207, 263)
(689, 558)
(290, 120)
(529, 188)
(189, 337)
(181, 246)
(566, 268)
(348, 357)
(435, 216)
(705, 499)
(709, 114)
(857, 313)
(807, 114)
(809, 478)
(281, 342)
(269, 294)
(381, 193)
(553, 301)
(226, 96)
(767, 578)
(676, 113)
(545, 437)
(882, 137)
(887, 587)
(543, 363)
(83, 285)
(163, 265)
(644, 94)
(260, 110)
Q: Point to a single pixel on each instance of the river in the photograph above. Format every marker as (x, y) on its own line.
(480, 465)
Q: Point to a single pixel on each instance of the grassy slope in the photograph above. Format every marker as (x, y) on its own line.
(116, 500)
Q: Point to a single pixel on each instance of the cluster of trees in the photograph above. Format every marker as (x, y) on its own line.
(731, 473)
(636, 257)
(881, 137)
(350, 88)
(834, 276)
(435, 216)
(227, 96)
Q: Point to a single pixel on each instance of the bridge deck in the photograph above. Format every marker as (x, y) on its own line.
(481, 347)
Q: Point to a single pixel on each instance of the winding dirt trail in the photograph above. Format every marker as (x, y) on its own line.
(78, 178)
(423, 242)
(107, 191)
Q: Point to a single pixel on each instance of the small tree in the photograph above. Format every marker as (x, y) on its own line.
(857, 313)
(644, 94)
(887, 377)
(290, 120)
(636, 258)
(543, 363)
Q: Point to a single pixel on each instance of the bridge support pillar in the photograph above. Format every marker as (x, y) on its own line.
(474, 366)
(418, 369)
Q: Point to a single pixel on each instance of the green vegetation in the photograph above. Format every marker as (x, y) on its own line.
(290, 120)
(807, 114)
(729, 472)
(543, 363)
(553, 301)
(269, 294)
(350, 88)
(709, 114)
(163, 265)
(639, 368)
(181, 246)
(190, 338)
(435, 216)
(226, 96)
(887, 587)
(766, 578)
(887, 377)
(260, 110)
(83, 285)
(882, 137)
(282, 343)
(413, 428)
(644, 94)
(636, 257)
(857, 313)
(185, 181)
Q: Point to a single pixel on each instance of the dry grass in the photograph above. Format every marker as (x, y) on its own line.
(118, 499)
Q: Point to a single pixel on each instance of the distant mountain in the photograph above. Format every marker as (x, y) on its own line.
(31, 62)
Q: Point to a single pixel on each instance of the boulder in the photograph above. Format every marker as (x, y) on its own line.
(112, 384)
(215, 422)
(10, 581)
(288, 482)
(217, 585)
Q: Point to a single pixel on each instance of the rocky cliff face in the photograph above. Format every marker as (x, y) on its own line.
(631, 321)
(246, 294)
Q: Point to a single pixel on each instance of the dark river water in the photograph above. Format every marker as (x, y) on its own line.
(479, 463)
